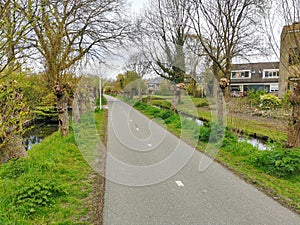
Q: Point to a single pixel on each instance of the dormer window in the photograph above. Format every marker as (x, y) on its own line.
(241, 74)
(271, 74)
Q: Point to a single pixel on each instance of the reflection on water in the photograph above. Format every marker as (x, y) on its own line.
(198, 121)
(255, 142)
(37, 134)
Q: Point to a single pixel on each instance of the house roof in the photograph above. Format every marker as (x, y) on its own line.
(256, 66)
(256, 72)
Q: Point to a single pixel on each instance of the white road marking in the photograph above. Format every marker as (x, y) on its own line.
(179, 183)
(149, 145)
(137, 128)
(130, 120)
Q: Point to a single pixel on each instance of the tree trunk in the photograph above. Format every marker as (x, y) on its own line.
(222, 96)
(82, 106)
(176, 96)
(13, 148)
(63, 117)
(75, 110)
(150, 90)
(293, 140)
(220, 106)
(91, 100)
(140, 95)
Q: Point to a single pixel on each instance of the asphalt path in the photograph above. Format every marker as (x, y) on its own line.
(152, 177)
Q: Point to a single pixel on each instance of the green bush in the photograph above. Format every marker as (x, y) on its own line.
(140, 105)
(279, 162)
(164, 114)
(269, 101)
(214, 133)
(204, 134)
(254, 96)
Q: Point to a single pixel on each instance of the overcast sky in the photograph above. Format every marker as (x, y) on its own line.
(137, 5)
(116, 64)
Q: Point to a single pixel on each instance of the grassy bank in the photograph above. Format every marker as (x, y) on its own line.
(55, 185)
(201, 109)
(276, 172)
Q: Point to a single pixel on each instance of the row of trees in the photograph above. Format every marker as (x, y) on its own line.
(181, 37)
(59, 36)
(173, 37)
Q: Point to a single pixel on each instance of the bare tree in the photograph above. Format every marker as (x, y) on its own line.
(164, 27)
(65, 33)
(138, 63)
(225, 30)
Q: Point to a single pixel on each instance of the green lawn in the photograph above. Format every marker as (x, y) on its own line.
(54, 185)
(199, 107)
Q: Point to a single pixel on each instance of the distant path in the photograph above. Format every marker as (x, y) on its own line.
(213, 197)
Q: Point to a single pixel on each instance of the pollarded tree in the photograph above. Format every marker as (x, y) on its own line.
(226, 29)
(12, 107)
(65, 33)
(289, 12)
(284, 16)
(141, 66)
(162, 32)
(12, 112)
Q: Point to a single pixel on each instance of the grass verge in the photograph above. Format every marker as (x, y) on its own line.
(55, 185)
(275, 172)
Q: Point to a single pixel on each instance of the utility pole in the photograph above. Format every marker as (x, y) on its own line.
(100, 92)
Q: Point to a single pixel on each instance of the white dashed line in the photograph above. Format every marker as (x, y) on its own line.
(137, 128)
(179, 183)
(149, 145)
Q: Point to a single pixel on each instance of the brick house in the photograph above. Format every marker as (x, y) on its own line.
(247, 76)
(289, 56)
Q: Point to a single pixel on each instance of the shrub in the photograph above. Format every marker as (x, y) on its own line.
(269, 101)
(140, 105)
(214, 133)
(204, 134)
(279, 162)
(254, 96)
(165, 114)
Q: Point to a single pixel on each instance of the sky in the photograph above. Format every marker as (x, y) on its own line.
(137, 5)
(115, 64)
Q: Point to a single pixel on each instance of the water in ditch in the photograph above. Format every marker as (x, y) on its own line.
(37, 134)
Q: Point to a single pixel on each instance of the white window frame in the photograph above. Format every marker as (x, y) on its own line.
(270, 70)
(274, 87)
(241, 71)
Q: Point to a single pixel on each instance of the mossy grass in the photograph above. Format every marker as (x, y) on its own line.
(52, 186)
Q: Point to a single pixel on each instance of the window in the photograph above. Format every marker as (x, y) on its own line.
(294, 56)
(236, 88)
(274, 87)
(270, 73)
(243, 74)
